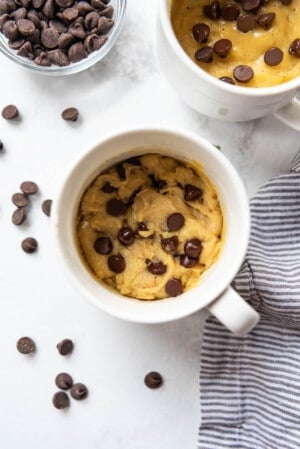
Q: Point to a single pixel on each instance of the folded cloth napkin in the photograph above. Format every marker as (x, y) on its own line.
(250, 386)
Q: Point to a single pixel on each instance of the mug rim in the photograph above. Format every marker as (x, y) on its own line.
(177, 312)
(165, 19)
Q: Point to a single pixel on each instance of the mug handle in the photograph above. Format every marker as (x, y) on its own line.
(290, 114)
(235, 313)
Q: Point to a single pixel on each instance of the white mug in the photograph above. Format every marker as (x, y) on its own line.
(213, 289)
(210, 96)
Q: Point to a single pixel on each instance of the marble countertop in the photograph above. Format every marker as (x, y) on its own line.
(110, 356)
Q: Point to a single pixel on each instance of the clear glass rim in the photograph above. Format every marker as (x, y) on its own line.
(76, 67)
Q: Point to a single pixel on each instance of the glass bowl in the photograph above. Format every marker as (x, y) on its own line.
(76, 67)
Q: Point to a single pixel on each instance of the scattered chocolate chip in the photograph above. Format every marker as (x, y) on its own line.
(115, 207)
(126, 236)
(29, 187)
(246, 22)
(64, 381)
(222, 47)
(46, 207)
(230, 11)
(61, 400)
(201, 32)
(25, 345)
(116, 263)
(213, 11)
(174, 287)
(158, 183)
(175, 221)
(18, 217)
(25, 27)
(192, 193)
(170, 244)
(65, 346)
(193, 248)
(188, 262)
(153, 380)
(227, 79)
(250, 5)
(19, 199)
(29, 245)
(273, 56)
(205, 54)
(134, 161)
(121, 171)
(142, 227)
(243, 73)
(79, 391)
(10, 30)
(70, 114)
(10, 112)
(266, 20)
(103, 245)
(108, 188)
(294, 48)
(156, 268)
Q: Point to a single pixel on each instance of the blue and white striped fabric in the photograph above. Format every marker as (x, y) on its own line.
(250, 386)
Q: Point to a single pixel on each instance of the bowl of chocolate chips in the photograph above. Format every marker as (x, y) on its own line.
(59, 37)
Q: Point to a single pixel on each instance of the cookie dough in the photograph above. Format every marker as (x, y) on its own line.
(150, 226)
(248, 48)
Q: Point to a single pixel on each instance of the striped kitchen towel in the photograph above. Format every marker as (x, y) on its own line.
(250, 386)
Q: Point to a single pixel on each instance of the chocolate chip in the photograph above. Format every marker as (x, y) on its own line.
(26, 51)
(49, 9)
(116, 263)
(64, 3)
(108, 188)
(294, 48)
(58, 25)
(174, 287)
(91, 20)
(243, 73)
(29, 245)
(18, 217)
(49, 38)
(10, 30)
(175, 221)
(193, 248)
(230, 11)
(38, 3)
(222, 47)
(153, 380)
(61, 400)
(25, 345)
(29, 187)
(192, 193)
(205, 54)
(115, 207)
(70, 114)
(4, 18)
(65, 40)
(156, 268)
(121, 171)
(170, 244)
(107, 12)
(79, 391)
(227, 79)
(142, 227)
(10, 112)
(19, 199)
(43, 60)
(69, 15)
(77, 52)
(213, 11)
(250, 5)
(15, 45)
(83, 8)
(126, 236)
(246, 22)
(273, 56)
(286, 2)
(201, 32)
(65, 346)
(58, 57)
(98, 4)
(103, 245)
(135, 160)
(64, 381)
(105, 25)
(266, 20)
(46, 207)
(94, 42)
(26, 27)
(188, 262)
(18, 14)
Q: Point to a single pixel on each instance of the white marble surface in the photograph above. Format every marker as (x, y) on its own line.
(111, 356)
